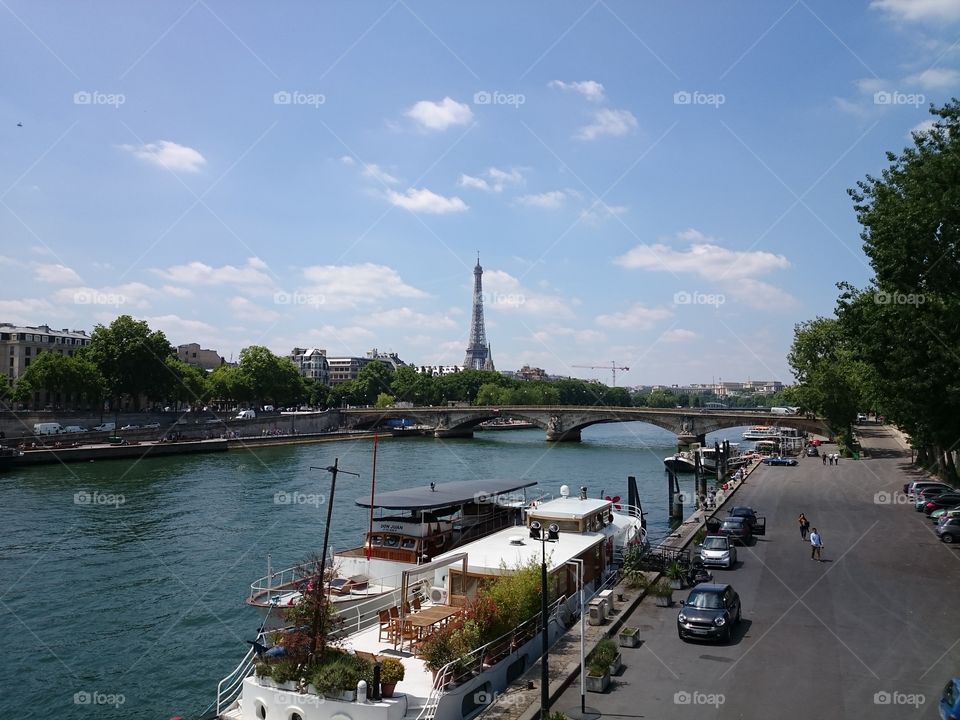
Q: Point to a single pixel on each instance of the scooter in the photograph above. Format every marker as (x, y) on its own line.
(698, 573)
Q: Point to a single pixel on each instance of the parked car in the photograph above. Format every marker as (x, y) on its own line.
(779, 460)
(927, 494)
(758, 525)
(950, 700)
(944, 500)
(152, 426)
(940, 513)
(47, 428)
(812, 451)
(861, 418)
(737, 529)
(246, 415)
(74, 429)
(718, 550)
(709, 612)
(911, 489)
(949, 531)
(130, 427)
(106, 427)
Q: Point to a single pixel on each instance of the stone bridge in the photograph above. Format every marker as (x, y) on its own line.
(565, 422)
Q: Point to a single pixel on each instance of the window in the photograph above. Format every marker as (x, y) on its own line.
(26, 362)
(27, 351)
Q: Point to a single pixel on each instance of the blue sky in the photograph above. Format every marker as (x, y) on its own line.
(660, 184)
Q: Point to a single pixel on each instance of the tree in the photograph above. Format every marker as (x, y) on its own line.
(62, 375)
(373, 379)
(187, 383)
(384, 400)
(263, 376)
(418, 388)
(131, 358)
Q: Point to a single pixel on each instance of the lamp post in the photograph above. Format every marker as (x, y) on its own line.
(552, 534)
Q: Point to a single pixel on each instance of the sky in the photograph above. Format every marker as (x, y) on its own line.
(659, 185)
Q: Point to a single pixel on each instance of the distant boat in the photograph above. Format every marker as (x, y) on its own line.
(762, 432)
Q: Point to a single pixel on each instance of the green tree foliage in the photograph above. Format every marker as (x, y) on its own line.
(61, 375)
(188, 384)
(263, 377)
(408, 385)
(375, 378)
(131, 358)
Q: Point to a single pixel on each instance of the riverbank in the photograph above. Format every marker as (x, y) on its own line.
(158, 448)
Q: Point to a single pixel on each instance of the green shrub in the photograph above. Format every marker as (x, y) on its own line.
(391, 670)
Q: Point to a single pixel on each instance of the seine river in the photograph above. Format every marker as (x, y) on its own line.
(122, 583)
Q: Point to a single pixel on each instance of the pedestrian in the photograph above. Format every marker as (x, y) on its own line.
(824, 456)
(836, 458)
(816, 545)
(804, 526)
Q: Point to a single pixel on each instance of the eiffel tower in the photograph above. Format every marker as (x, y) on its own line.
(478, 351)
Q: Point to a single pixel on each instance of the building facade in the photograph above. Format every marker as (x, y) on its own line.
(193, 354)
(312, 363)
(21, 344)
(391, 360)
(343, 369)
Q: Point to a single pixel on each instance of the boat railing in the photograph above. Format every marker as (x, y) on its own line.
(486, 656)
(228, 689)
(279, 579)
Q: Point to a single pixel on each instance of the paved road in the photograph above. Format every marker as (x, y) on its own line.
(818, 640)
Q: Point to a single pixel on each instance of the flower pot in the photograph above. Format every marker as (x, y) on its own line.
(387, 689)
(348, 695)
(598, 683)
(676, 583)
(617, 665)
(629, 638)
(664, 600)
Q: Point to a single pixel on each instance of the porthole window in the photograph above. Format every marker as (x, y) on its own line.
(376, 540)
(261, 710)
(296, 716)
(391, 541)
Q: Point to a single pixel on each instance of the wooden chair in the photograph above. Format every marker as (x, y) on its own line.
(416, 603)
(406, 607)
(369, 657)
(386, 625)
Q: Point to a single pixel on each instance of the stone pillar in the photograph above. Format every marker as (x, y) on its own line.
(557, 433)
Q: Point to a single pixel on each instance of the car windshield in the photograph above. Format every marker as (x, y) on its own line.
(705, 601)
(733, 523)
(715, 543)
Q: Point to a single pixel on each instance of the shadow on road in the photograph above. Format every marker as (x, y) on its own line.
(740, 631)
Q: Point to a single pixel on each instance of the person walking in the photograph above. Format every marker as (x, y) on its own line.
(824, 456)
(816, 545)
(804, 526)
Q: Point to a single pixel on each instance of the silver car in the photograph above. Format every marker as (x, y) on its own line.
(717, 550)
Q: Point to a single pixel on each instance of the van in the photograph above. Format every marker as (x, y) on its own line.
(74, 429)
(246, 415)
(783, 411)
(47, 428)
(106, 427)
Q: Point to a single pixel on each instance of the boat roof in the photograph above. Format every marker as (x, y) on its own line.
(569, 508)
(425, 497)
(502, 552)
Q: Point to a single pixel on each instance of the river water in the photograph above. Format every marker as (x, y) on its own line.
(122, 583)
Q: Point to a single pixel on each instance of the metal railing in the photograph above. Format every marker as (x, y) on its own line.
(228, 689)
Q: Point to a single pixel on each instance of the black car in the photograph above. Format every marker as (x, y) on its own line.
(943, 500)
(758, 525)
(812, 451)
(709, 612)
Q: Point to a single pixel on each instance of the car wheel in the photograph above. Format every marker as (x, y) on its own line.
(947, 538)
(730, 565)
(727, 635)
(738, 616)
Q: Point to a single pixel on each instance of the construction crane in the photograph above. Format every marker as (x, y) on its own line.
(612, 367)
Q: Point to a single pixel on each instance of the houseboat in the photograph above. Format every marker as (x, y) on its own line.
(578, 538)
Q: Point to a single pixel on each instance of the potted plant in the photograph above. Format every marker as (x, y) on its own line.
(263, 672)
(607, 651)
(675, 574)
(391, 672)
(663, 592)
(598, 665)
(438, 650)
(629, 637)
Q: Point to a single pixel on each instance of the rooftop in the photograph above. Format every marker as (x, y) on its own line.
(427, 497)
(570, 508)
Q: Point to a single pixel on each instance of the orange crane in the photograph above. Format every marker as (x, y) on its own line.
(612, 367)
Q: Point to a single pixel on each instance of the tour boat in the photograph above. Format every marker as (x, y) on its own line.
(761, 432)
(584, 538)
(684, 461)
(9, 456)
(414, 525)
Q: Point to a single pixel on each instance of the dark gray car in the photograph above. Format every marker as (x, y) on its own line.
(709, 612)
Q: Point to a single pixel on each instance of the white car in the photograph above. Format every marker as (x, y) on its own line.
(106, 427)
(130, 427)
(74, 429)
(718, 550)
(152, 426)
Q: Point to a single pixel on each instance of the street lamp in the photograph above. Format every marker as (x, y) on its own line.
(552, 534)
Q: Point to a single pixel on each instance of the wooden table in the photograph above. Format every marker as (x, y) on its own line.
(429, 617)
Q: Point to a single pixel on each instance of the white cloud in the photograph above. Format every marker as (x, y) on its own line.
(548, 200)
(704, 258)
(426, 201)
(678, 335)
(919, 10)
(339, 340)
(127, 295)
(440, 115)
(590, 89)
(347, 160)
(27, 311)
(169, 155)
(244, 309)
(56, 274)
(636, 317)
(558, 333)
(936, 78)
(759, 295)
(503, 292)
(177, 292)
(354, 285)
(921, 128)
(253, 273)
(496, 181)
(404, 317)
(375, 172)
(614, 123)
(180, 330)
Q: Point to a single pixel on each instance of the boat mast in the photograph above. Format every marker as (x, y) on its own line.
(373, 488)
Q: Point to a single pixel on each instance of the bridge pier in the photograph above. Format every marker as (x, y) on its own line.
(563, 436)
(685, 440)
